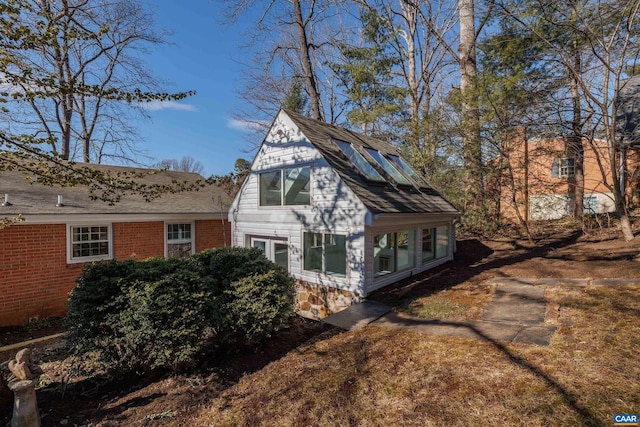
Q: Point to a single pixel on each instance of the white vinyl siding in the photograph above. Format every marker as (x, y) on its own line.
(333, 209)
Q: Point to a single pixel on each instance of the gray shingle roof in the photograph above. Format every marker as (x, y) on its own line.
(377, 197)
(37, 199)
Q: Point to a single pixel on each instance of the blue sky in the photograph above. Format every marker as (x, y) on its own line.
(203, 55)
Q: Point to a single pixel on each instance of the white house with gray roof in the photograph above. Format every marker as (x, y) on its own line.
(343, 212)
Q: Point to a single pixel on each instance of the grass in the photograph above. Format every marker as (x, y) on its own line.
(459, 303)
(379, 377)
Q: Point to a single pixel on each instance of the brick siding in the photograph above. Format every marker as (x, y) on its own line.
(35, 279)
(210, 234)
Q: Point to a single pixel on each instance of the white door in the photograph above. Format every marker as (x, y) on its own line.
(276, 250)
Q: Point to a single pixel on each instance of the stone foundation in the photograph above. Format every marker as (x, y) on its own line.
(318, 301)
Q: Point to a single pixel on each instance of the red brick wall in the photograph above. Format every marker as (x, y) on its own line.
(210, 234)
(35, 279)
(537, 167)
(138, 240)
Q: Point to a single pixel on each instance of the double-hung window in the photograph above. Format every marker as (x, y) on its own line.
(289, 186)
(179, 240)
(89, 243)
(563, 168)
(325, 253)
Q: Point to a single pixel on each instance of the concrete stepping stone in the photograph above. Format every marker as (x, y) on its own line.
(615, 282)
(357, 315)
(517, 303)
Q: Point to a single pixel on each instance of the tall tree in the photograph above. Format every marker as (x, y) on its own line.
(80, 44)
(28, 28)
(608, 33)
(366, 75)
(471, 142)
(415, 37)
(278, 59)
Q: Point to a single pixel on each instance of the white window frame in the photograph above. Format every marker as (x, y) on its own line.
(324, 254)
(75, 260)
(166, 236)
(270, 247)
(282, 170)
(564, 170)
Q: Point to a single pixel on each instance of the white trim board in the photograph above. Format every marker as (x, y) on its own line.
(113, 218)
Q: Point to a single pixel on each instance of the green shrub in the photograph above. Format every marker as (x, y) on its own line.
(143, 315)
(163, 323)
(95, 297)
(230, 264)
(258, 305)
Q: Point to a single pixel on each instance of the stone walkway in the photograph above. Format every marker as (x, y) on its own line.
(516, 313)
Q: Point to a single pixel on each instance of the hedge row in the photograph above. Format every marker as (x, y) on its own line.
(143, 315)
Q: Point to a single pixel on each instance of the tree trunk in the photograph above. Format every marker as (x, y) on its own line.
(625, 222)
(410, 16)
(307, 66)
(470, 113)
(576, 148)
(575, 142)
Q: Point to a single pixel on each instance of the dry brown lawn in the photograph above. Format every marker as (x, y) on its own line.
(378, 377)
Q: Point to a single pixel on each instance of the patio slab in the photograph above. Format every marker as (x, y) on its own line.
(357, 315)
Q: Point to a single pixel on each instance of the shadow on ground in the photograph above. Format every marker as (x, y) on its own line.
(113, 398)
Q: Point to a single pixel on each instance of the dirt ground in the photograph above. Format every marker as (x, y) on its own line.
(72, 399)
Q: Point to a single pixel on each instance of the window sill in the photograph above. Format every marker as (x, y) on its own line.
(89, 259)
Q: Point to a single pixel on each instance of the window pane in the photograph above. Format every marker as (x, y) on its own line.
(442, 241)
(89, 241)
(270, 189)
(281, 255)
(260, 244)
(407, 169)
(179, 250)
(297, 183)
(406, 249)
(359, 161)
(179, 232)
(384, 259)
(388, 167)
(313, 251)
(427, 244)
(336, 255)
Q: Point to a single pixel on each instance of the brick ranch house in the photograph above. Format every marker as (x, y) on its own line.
(544, 178)
(43, 256)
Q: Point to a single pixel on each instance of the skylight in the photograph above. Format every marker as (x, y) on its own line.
(388, 167)
(359, 161)
(407, 169)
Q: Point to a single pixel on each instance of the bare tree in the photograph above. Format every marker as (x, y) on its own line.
(29, 31)
(85, 53)
(293, 53)
(608, 32)
(184, 164)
